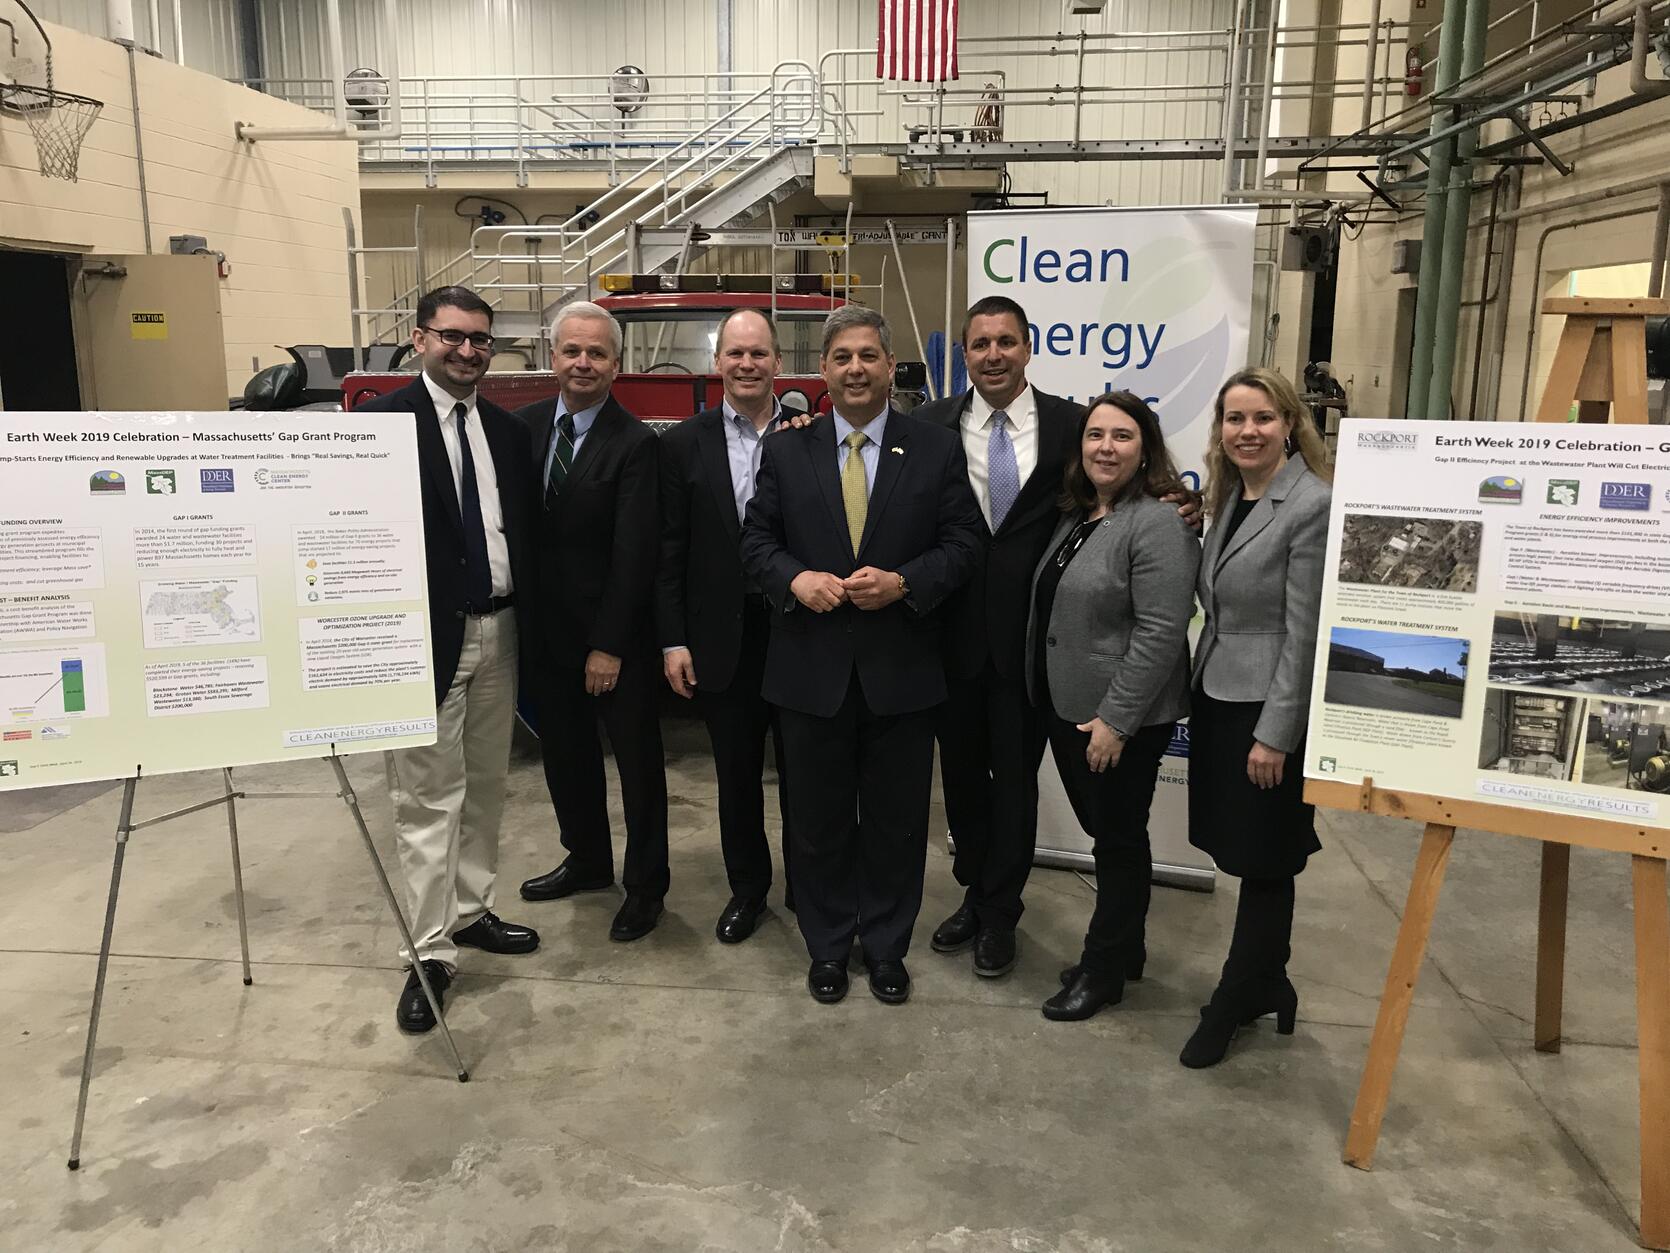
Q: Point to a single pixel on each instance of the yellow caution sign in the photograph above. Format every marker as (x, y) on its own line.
(150, 325)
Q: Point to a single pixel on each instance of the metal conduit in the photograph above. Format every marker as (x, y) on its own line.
(1459, 196)
(1432, 231)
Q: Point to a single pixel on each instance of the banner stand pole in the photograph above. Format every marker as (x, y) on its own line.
(125, 827)
(352, 801)
(237, 869)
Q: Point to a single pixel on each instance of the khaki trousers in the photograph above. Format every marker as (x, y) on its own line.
(448, 796)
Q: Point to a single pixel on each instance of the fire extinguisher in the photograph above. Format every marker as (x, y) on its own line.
(1412, 72)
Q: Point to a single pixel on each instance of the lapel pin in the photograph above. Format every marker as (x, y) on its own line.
(897, 449)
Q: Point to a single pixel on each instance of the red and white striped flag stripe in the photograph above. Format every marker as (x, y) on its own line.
(916, 40)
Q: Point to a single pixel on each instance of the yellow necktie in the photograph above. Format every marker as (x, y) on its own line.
(854, 494)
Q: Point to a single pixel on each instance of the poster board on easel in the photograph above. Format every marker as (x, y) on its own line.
(1543, 586)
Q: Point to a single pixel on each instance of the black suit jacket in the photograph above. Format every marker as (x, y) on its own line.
(596, 546)
(922, 521)
(987, 616)
(443, 527)
(698, 590)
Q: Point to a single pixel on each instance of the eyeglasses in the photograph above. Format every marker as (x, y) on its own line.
(455, 339)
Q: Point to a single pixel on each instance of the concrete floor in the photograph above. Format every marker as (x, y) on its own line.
(676, 1095)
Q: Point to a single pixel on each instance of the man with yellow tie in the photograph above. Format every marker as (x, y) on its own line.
(860, 526)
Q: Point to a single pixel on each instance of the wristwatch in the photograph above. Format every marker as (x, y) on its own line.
(904, 588)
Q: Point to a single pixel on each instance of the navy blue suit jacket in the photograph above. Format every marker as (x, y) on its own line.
(922, 521)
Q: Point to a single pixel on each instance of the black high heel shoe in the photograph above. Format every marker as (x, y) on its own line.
(1283, 1003)
(1210, 1042)
(1222, 1019)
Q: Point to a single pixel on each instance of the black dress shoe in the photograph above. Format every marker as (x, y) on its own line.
(740, 918)
(413, 1014)
(827, 982)
(566, 880)
(495, 935)
(994, 952)
(957, 932)
(1081, 998)
(636, 919)
(889, 982)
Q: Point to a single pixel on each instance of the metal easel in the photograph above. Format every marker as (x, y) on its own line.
(125, 827)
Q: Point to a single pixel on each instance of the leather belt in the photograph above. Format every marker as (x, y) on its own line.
(491, 607)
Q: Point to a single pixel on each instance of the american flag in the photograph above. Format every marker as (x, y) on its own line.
(916, 40)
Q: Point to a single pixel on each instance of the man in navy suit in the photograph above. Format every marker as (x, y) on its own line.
(861, 524)
(477, 509)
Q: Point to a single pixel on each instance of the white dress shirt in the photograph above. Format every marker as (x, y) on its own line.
(977, 432)
(486, 478)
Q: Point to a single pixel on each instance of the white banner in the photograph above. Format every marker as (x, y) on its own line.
(1153, 301)
(183, 591)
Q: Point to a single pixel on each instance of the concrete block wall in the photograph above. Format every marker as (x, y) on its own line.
(274, 209)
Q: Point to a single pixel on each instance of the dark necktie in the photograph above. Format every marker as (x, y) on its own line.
(562, 458)
(478, 576)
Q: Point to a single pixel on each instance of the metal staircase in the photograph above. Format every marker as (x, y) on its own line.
(727, 173)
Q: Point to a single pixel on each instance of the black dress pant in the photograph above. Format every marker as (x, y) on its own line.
(1112, 807)
(573, 753)
(737, 721)
(859, 784)
(991, 741)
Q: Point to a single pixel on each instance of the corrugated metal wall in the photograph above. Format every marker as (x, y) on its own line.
(211, 29)
(669, 37)
(482, 37)
(771, 30)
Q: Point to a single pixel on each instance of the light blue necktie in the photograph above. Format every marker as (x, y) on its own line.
(1003, 479)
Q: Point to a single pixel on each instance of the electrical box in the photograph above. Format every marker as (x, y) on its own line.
(186, 245)
(1304, 248)
(1406, 256)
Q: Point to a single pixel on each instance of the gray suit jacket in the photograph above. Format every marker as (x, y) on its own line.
(1262, 596)
(1118, 640)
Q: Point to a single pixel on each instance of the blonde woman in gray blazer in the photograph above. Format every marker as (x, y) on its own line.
(1260, 588)
(1107, 643)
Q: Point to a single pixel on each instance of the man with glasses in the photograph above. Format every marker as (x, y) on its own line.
(478, 507)
(595, 649)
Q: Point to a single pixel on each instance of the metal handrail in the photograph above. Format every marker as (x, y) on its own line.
(784, 113)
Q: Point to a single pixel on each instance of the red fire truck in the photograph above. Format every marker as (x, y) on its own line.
(667, 363)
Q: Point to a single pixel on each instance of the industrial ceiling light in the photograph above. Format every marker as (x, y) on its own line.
(1089, 6)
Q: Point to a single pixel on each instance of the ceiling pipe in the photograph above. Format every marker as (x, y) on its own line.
(343, 128)
(119, 18)
(1432, 229)
(1439, 403)
(1639, 83)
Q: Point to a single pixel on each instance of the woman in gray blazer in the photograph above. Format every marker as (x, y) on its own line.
(1261, 589)
(1108, 644)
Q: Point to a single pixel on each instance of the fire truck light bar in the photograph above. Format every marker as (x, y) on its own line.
(716, 283)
